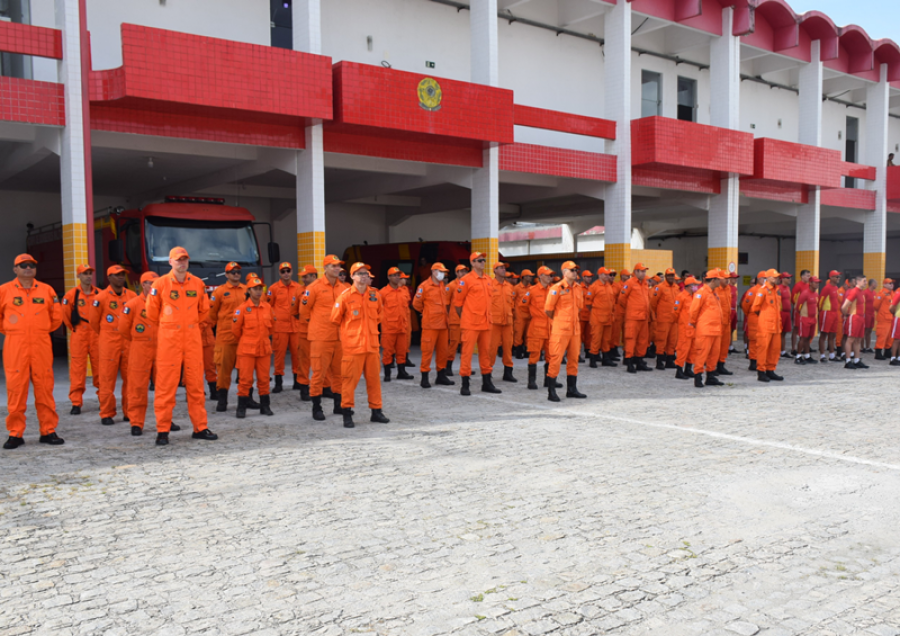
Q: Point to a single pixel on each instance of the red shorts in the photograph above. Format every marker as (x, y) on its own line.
(807, 327)
(870, 322)
(854, 326)
(786, 322)
(828, 321)
(895, 329)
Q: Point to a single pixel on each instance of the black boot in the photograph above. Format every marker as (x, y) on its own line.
(402, 374)
(670, 362)
(594, 357)
(449, 369)
(532, 377)
(721, 370)
(378, 417)
(641, 365)
(631, 368)
(222, 406)
(213, 392)
(348, 418)
(660, 362)
(712, 380)
(551, 389)
(409, 364)
(387, 373)
(556, 385)
(608, 360)
(572, 388)
(487, 384)
(614, 354)
(297, 386)
(317, 412)
(152, 386)
(879, 354)
(774, 376)
(681, 375)
(337, 404)
(507, 375)
(442, 378)
(689, 370)
(304, 393)
(761, 376)
(251, 403)
(425, 384)
(465, 386)
(278, 387)
(752, 366)
(698, 380)
(326, 392)
(264, 405)
(241, 411)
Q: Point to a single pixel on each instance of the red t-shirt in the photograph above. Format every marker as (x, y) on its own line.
(855, 295)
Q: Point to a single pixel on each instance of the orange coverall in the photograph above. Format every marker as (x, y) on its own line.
(432, 301)
(395, 324)
(27, 318)
(706, 316)
(106, 318)
(473, 295)
(83, 343)
(454, 332)
(539, 327)
(635, 300)
(284, 300)
(180, 309)
(662, 303)
(502, 303)
(603, 303)
(143, 337)
(723, 292)
(303, 343)
(751, 319)
(225, 301)
(521, 317)
(685, 346)
(324, 339)
(767, 306)
(358, 315)
(209, 356)
(618, 316)
(566, 302)
(252, 325)
(884, 319)
(585, 315)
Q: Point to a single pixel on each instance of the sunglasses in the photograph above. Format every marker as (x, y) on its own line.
(28, 265)
(285, 270)
(478, 260)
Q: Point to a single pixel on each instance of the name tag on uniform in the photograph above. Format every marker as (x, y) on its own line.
(37, 301)
(191, 293)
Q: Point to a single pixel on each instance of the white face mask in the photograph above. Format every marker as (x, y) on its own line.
(440, 275)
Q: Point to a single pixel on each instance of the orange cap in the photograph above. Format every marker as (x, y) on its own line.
(177, 253)
(513, 275)
(81, 269)
(624, 272)
(713, 273)
(543, 269)
(232, 266)
(285, 265)
(527, 272)
(677, 277)
(772, 273)
(670, 270)
(439, 267)
(254, 281)
(115, 269)
(25, 258)
(888, 280)
(477, 255)
(331, 259)
(391, 271)
(461, 267)
(656, 279)
(402, 275)
(308, 269)
(602, 270)
(569, 265)
(690, 280)
(149, 276)
(358, 266)
(500, 264)
(639, 266)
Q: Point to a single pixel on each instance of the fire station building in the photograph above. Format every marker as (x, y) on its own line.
(725, 133)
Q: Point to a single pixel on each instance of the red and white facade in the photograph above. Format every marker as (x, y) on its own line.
(708, 128)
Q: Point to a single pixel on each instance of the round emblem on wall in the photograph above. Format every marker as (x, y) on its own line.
(429, 94)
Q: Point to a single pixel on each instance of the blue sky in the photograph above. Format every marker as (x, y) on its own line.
(880, 18)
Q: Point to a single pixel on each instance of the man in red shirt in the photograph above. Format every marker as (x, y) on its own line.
(800, 286)
(786, 311)
(806, 305)
(829, 312)
(895, 329)
(854, 310)
(869, 293)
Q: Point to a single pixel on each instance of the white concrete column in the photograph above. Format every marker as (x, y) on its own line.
(485, 180)
(73, 182)
(725, 109)
(617, 105)
(307, 32)
(809, 214)
(876, 151)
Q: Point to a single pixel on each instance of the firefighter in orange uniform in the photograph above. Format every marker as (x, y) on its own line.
(324, 337)
(106, 317)
(412, 320)
(563, 306)
(225, 300)
(502, 303)
(767, 307)
(308, 276)
(472, 304)
(706, 319)
(662, 304)
(884, 320)
(432, 300)
(84, 341)
(723, 293)
(142, 338)
(29, 313)
(252, 325)
(684, 359)
(395, 325)
(603, 301)
(521, 315)
(454, 334)
(635, 301)
(179, 305)
(209, 360)
(751, 320)
(284, 298)
(587, 279)
(539, 328)
(358, 312)
(619, 314)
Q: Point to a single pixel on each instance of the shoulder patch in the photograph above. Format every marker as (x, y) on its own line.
(153, 292)
(237, 312)
(65, 301)
(699, 296)
(96, 303)
(126, 311)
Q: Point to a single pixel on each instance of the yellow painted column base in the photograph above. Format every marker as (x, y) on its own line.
(874, 266)
(724, 258)
(617, 256)
(489, 246)
(75, 253)
(310, 249)
(807, 259)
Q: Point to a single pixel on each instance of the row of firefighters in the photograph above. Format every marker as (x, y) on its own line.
(337, 332)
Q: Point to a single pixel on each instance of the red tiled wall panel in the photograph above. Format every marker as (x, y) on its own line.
(660, 140)
(857, 171)
(797, 163)
(32, 102)
(849, 198)
(387, 144)
(774, 191)
(30, 40)
(893, 183)
(676, 178)
(385, 98)
(564, 122)
(559, 162)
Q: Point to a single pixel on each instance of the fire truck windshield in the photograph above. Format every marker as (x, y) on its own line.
(208, 242)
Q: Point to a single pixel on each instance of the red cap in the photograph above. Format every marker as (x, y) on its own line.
(786, 275)
(733, 275)
(814, 279)
(232, 266)
(115, 269)
(149, 276)
(81, 269)
(177, 253)
(285, 265)
(833, 272)
(391, 271)
(331, 259)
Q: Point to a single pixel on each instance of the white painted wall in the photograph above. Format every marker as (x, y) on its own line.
(352, 223)
(764, 106)
(447, 226)
(670, 74)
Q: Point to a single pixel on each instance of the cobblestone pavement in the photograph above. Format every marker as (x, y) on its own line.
(650, 508)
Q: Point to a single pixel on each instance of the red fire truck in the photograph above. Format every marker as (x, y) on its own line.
(213, 233)
(406, 256)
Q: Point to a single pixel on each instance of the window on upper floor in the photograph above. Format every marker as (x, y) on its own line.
(282, 24)
(851, 149)
(687, 99)
(651, 94)
(13, 64)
